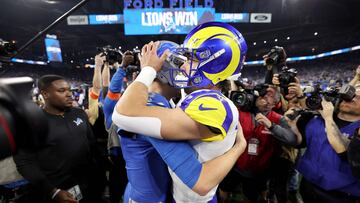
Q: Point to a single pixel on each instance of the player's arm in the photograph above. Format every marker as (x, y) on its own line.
(215, 170)
(132, 114)
(181, 159)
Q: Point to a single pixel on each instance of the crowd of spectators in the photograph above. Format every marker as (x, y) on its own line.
(266, 170)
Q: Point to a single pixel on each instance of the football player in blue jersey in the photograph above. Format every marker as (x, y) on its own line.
(214, 51)
(147, 158)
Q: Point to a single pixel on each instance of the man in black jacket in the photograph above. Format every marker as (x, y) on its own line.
(62, 169)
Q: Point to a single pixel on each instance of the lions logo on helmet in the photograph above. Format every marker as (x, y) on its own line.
(219, 51)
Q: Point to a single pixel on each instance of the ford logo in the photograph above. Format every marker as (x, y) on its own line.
(261, 17)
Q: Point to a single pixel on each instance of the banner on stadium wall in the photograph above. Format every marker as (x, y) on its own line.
(78, 20)
(232, 17)
(106, 19)
(260, 18)
(165, 20)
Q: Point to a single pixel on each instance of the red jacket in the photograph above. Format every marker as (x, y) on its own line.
(266, 146)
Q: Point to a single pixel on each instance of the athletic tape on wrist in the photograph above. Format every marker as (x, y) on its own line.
(146, 76)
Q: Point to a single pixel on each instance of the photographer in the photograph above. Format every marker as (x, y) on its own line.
(262, 128)
(284, 181)
(293, 96)
(117, 175)
(280, 75)
(326, 173)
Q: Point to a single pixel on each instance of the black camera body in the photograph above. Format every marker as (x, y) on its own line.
(136, 53)
(287, 76)
(245, 98)
(22, 123)
(331, 94)
(112, 55)
(273, 55)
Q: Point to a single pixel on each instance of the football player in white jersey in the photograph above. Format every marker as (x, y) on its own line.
(214, 51)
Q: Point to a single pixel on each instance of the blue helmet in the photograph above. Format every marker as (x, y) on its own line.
(164, 75)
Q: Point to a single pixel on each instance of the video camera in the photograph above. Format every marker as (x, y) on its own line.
(22, 123)
(246, 97)
(332, 94)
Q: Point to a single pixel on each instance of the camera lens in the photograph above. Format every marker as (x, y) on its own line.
(313, 102)
(240, 99)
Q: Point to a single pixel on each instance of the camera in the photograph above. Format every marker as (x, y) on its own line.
(275, 55)
(287, 76)
(246, 97)
(136, 53)
(331, 94)
(112, 55)
(7, 48)
(22, 123)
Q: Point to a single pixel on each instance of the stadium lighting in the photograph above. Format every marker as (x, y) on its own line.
(276, 40)
(254, 43)
(87, 59)
(315, 33)
(264, 42)
(50, 1)
(71, 61)
(288, 38)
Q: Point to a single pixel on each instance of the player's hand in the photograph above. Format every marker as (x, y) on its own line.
(240, 141)
(149, 56)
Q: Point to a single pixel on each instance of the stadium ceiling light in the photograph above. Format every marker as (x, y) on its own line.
(288, 38)
(254, 43)
(315, 33)
(50, 1)
(265, 42)
(276, 40)
(71, 61)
